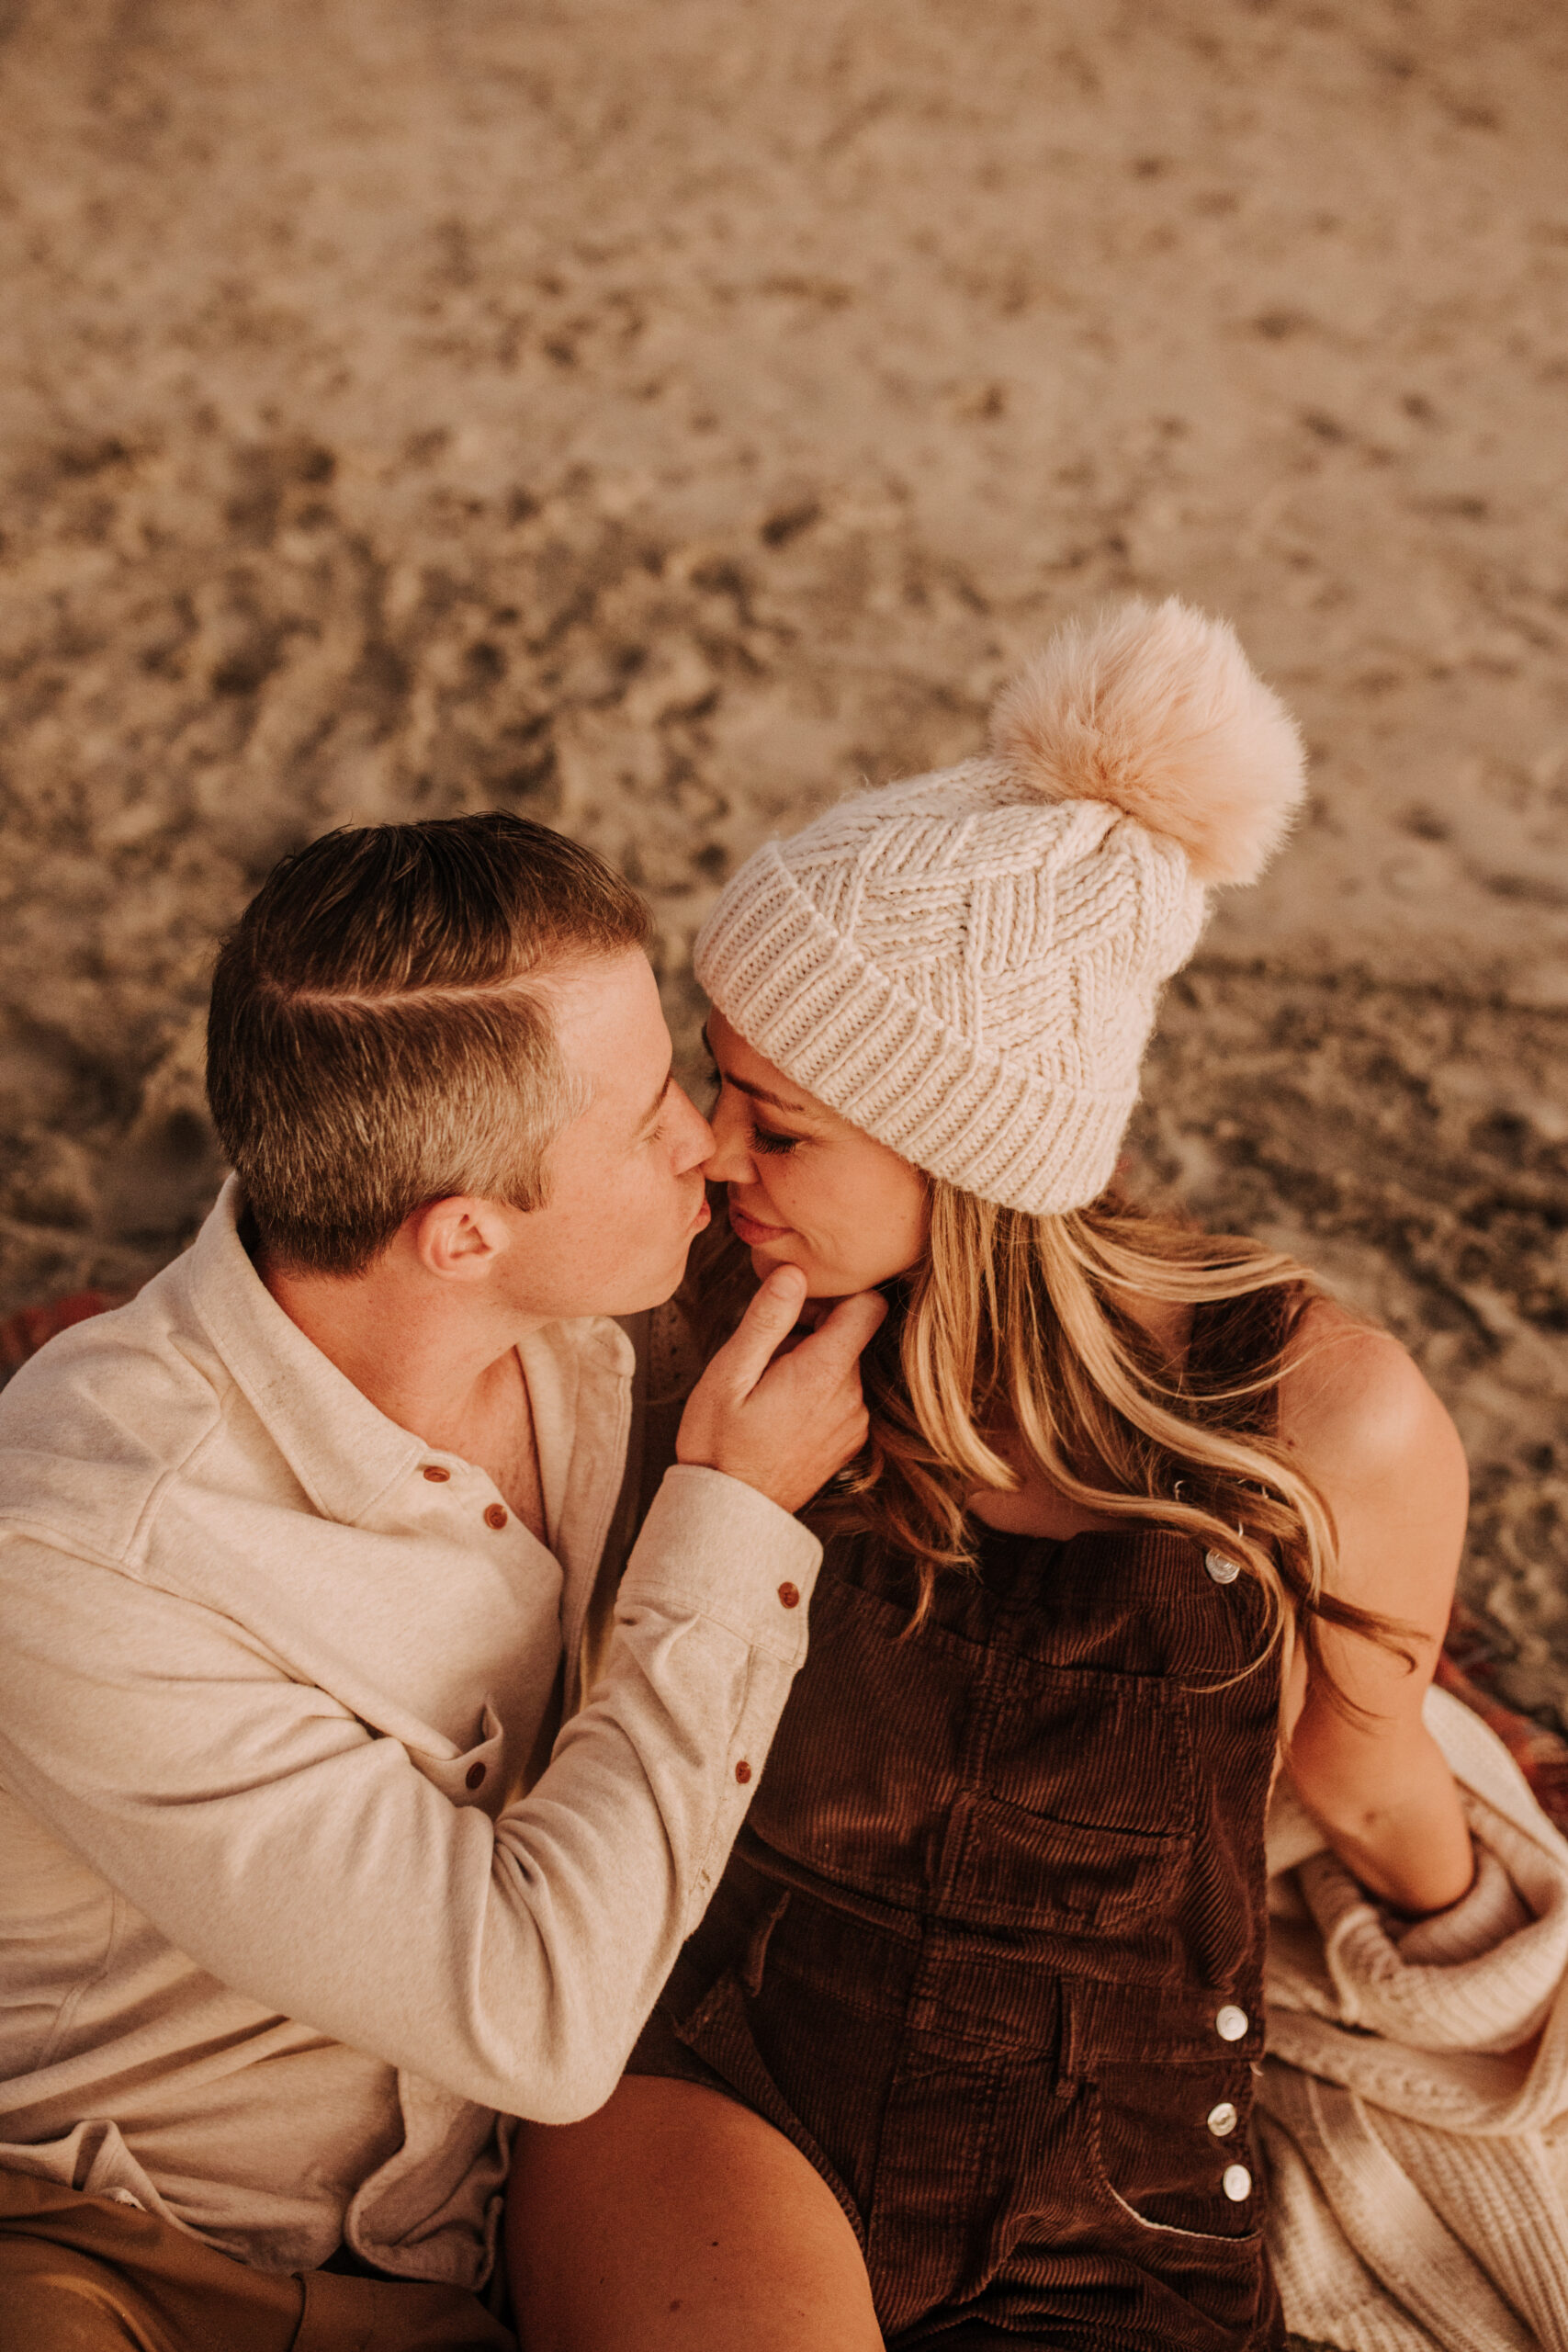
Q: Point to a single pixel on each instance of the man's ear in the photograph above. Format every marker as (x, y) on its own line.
(457, 1239)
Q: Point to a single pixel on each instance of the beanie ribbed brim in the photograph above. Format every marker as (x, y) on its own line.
(807, 998)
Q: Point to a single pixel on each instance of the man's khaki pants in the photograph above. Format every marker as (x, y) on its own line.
(84, 2274)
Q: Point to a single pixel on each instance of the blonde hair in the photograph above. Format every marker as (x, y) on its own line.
(1029, 1322)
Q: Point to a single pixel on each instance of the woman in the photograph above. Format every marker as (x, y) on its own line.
(962, 2053)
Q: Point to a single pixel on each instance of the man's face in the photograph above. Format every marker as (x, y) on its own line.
(625, 1196)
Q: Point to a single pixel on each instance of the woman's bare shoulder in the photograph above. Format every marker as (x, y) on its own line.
(1350, 1396)
(1382, 1451)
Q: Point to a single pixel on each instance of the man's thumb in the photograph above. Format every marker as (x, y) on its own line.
(766, 1324)
(839, 1337)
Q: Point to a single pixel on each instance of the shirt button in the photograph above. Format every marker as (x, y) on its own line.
(1232, 2022)
(1238, 2183)
(474, 1777)
(1222, 2119)
(495, 1515)
(790, 1595)
(1224, 1571)
(743, 1771)
(436, 1475)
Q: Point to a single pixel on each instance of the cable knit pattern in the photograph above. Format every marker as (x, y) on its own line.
(967, 965)
(1414, 2104)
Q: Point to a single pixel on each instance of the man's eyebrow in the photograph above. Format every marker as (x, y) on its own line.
(758, 1093)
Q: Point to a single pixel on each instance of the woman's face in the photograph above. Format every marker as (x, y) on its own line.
(806, 1188)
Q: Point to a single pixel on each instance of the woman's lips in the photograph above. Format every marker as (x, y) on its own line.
(751, 1231)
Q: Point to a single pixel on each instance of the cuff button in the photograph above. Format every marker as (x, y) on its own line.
(743, 1771)
(495, 1515)
(790, 1595)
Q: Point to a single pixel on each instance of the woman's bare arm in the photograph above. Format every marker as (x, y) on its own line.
(1384, 1452)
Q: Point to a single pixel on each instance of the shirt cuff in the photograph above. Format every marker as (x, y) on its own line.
(719, 1549)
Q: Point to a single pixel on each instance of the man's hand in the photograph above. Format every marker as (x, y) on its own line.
(783, 1427)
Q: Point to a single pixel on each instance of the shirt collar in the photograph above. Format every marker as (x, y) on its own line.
(345, 1453)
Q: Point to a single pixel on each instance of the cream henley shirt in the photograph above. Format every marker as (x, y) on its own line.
(284, 1936)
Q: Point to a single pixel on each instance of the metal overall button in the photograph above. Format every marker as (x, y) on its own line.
(1238, 2183)
(1232, 2023)
(1223, 2119)
(1224, 1571)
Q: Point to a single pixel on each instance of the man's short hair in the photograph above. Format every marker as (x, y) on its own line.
(378, 1037)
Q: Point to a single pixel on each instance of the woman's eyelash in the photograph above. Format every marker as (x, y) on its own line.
(762, 1138)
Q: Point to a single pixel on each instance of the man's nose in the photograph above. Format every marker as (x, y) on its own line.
(695, 1142)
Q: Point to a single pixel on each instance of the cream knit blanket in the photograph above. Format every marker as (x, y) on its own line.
(1413, 2109)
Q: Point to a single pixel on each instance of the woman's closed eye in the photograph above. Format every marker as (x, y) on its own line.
(766, 1140)
(769, 1141)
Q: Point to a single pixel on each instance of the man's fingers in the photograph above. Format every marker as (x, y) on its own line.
(839, 1337)
(784, 1430)
(762, 1329)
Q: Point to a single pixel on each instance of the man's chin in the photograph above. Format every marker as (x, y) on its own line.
(658, 1289)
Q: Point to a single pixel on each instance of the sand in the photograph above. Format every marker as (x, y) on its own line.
(657, 420)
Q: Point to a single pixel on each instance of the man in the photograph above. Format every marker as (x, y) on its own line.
(303, 1894)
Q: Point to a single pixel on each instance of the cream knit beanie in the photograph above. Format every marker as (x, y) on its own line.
(966, 966)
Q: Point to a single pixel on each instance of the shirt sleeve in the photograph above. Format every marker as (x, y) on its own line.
(307, 1863)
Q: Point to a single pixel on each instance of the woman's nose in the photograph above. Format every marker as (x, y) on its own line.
(731, 1163)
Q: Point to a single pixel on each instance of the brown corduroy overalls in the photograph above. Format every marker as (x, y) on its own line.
(990, 1949)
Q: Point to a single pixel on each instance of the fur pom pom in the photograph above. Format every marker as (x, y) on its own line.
(1156, 709)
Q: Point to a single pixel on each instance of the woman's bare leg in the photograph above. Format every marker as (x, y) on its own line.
(674, 2221)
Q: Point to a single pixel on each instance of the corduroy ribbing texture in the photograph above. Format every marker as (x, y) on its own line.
(967, 975)
(998, 1888)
